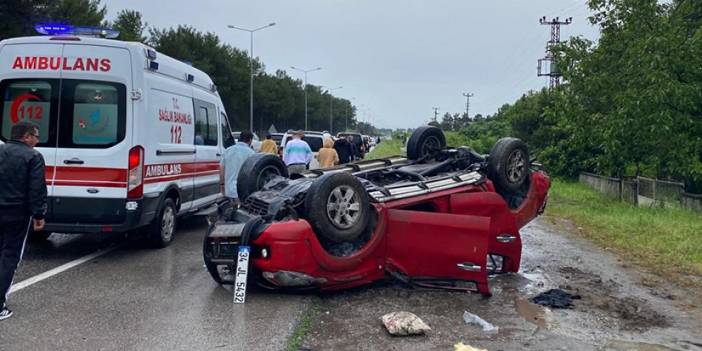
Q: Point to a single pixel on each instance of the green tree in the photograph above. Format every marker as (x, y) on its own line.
(18, 17)
(75, 12)
(130, 26)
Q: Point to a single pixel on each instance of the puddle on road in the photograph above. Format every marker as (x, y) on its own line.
(618, 345)
(531, 312)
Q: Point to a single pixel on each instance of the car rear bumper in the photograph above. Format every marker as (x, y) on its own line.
(89, 217)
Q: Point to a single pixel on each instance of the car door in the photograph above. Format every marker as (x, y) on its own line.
(93, 142)
(30, 90)
(207, 153)
(438, 247)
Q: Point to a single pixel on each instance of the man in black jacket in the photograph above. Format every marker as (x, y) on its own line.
(344, 150)
(22, 201)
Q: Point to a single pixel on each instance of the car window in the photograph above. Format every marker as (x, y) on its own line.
(29, 100)
(93, 114)
(205, 123)
(315, 143)
(228, 139)
(95, 119)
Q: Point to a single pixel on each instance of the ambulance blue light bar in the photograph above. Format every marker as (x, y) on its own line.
(66, 29)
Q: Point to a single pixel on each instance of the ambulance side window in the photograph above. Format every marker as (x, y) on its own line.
(200, 126)
(30, 100)
(227, 137)
(205, 123)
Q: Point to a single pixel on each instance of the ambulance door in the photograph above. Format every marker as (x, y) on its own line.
(29, 91)
(167, 131)
(207, 153)
(90, 183)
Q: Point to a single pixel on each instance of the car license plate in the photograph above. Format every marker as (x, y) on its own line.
(242, 272)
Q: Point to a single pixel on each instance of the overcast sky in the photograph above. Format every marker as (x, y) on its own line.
(396, 58)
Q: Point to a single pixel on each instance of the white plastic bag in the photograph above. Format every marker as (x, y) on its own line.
(470, 318)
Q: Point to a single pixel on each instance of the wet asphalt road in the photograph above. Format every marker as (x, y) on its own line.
(135, 298)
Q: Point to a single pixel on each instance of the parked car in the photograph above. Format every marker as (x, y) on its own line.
(277, 137)
(441, 218)
(314, 139)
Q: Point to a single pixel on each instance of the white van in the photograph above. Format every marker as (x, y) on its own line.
(131, 137)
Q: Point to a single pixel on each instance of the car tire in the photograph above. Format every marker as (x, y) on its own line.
(508, 164)
(424, 141)
(162, 229)
(338, 207)
(211, 266)
(256, 171)
(39, 236)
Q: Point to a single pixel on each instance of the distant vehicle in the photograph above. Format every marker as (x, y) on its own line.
(131, 137)
(255, 143)
(277, 137)
(442, 217)
(314, 139)
(369, 141)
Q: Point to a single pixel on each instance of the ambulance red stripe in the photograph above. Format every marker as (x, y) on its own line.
(117, 177)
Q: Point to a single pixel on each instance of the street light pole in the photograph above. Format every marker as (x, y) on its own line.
(331, 110)
(305, 71)
(251, 62)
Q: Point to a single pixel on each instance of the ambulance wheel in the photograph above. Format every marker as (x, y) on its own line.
(161, 231)
(216, 270)
(425, 141)
(256, 171)
(338, 207)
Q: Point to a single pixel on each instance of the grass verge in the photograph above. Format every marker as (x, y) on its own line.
(664, 240)
(385, 148)
(302, 328)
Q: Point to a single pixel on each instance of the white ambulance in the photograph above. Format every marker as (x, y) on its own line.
(131, 138)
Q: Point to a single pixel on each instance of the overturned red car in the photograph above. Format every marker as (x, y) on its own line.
(441, 217)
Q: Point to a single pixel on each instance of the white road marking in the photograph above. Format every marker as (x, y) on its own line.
(60, 269)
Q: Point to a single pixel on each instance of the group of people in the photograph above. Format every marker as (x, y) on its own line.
(296, 155)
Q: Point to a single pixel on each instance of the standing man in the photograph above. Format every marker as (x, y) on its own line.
(268, 146)
(343, 149)
(355, 152)
(22, 201)
(233, 159)
(297, 153)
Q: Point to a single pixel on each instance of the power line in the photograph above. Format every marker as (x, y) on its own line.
(436, 112)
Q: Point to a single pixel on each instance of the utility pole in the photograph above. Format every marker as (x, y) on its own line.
(547, 65)
(468, 96)
(436, 112)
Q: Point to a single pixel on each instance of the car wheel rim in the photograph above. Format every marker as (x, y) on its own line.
(344, 207)
(167, 223)
(430, 145)
(516, 166)
(266, 174)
